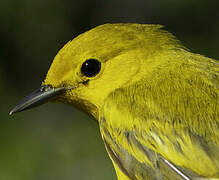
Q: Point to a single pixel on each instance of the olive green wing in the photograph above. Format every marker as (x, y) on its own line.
(159, 153)
(166, 125)
(133, 161)
(142, 155)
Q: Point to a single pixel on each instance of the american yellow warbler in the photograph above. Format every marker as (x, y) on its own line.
(156, 103)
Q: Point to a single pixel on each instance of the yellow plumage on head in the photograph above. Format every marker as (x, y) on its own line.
(157, 104)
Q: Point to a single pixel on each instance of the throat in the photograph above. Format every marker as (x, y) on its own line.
(83, 105)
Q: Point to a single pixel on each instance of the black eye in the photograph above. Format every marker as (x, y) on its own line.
(91, 67)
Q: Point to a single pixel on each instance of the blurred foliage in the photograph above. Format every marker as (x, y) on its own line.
(56, 141)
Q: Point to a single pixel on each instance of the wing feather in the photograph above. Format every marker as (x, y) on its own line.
(166, 124)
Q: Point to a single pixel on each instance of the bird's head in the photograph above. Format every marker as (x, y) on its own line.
(91, 66)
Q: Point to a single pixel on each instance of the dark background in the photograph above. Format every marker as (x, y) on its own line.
(57, 142)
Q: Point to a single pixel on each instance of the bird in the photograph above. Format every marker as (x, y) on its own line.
(156, 102)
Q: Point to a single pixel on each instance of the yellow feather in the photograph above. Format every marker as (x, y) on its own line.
(156, 103)
(153, 99)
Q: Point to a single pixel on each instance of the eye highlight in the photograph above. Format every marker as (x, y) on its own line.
(91, 67)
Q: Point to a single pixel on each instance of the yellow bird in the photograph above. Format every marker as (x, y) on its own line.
(157, 104)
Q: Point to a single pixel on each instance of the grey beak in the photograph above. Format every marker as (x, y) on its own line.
(38, 97)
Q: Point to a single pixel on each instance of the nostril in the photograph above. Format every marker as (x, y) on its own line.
(45, 88)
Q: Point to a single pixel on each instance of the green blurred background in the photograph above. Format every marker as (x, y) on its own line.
(54, 141)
